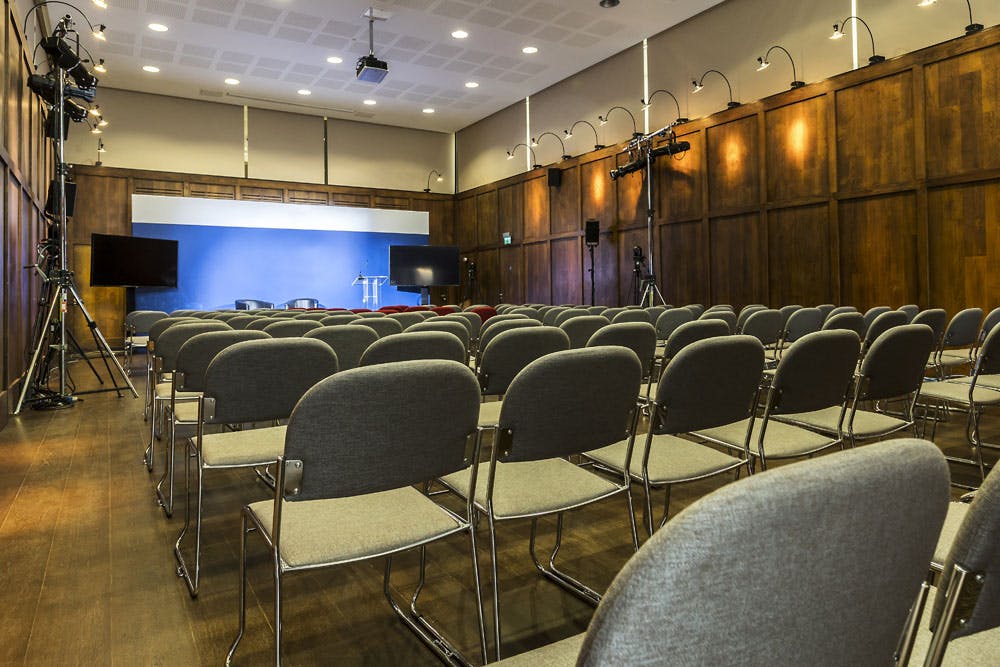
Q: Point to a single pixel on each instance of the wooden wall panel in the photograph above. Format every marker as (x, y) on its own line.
(105, 304)
(16, 335)
(679, 180)
(631, 195)
(488, 266)
(536, 208)
(102, 206)
(684, 274)
(963, 113)
(964, 239)
(567, 271)
(738, 248)
(465, 223)
(796, 150)
(875, 133)
(15, 92)
(597, 192)
(605, 272)
(799, 256)
(486, 219)
(565, 214)
(512, 274)
(733, 169)
(536, 273)
(878, 251)
(510, 211)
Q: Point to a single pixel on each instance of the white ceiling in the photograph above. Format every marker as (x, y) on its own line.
(276, 47)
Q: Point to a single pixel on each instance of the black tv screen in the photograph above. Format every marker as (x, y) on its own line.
(132, 261)
(423, 265)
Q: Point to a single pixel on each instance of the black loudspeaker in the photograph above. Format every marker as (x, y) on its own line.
(593, 232)
(52, 200)
(555, 178)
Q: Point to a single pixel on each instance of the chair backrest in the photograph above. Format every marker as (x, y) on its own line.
(885, 320)
(549, 318)
(383, 326)
(241, 321)
(696, 309)
(709, 383)
(745, 314)
(349, 343)
(406, 320)
(261, 380)
(164, 323)
(363, 314)
(826, 309)
(991, 320)
(720, 306)
(815, 373)
(338, 319)
(226, 315)
(139, 321)
(510, 351)
(670, 319)
(285, 314)
(786, 312)
(872, 313)
(611, 312)
(842, 309)
(850, 320)
(691, 332)
(580, 329)
(727, 316)
(988, 359)
(413, 346)
(346, 430)
(569, 314)
(802, 322)
(527, 312)
(497, 319)
(484, 312)
(935, 318)
(640, 337)
(569, 402)
(315, 315)
(198, 351)
(655, 311)
(474, 321)
(457, 329)
(895, 362)
(632, 315)
(910, 310)
(170, 341)
(456, 317)
(963, 328)
(500, 327)
(291, 328)
(976, 548)
(764, 324)
(426, 314)
(261, 322)
(710, 577)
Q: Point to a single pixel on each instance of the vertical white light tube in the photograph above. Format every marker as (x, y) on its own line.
(645, 84)
(527, 133)
(854, 32)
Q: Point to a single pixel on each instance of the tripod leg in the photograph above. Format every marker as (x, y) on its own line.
(29, 375)
(102, 342)
(79, 350)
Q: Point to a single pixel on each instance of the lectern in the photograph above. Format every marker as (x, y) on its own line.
(371, 289)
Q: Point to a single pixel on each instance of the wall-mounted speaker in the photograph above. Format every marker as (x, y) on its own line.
(555, 178)
(593, 232)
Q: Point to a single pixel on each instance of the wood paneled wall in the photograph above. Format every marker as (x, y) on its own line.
(104, 205)
(26, 163)
(879, 186)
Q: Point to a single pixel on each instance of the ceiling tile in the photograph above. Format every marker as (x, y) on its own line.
(444, 50)
(219, 5)
(330, 42)
(210, 18)
(452, 9)
(298, 78)
(311, 70)
(262, 12)
(504, 62)
(459, 67)
(430, 61)
(412, 43)
(265, 73)
(272, 63)
(552, 33)
(521, 26)
(574, 20)
(489, 18)
(237, 57)
(198, 51)
(293, 34)
(230, 68)
(166, 9)
(579, 40)
(191, 61)
(253, 27)
(478, 57)
(542, 11)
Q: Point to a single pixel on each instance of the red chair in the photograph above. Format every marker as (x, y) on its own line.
(443, 310)
(361, 310)
(414, 309)
(484, 312)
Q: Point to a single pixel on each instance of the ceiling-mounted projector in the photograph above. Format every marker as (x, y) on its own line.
(370, 68)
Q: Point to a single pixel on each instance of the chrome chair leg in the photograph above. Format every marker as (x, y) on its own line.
(243, 589)
(907, 639)
(277, 606)
(666, 505)
(183, 571)
(631, 518)
(496, 583)
(166, 498)
(553, 573)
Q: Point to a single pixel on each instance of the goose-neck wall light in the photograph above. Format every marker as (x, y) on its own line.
(764, 63)
(838, 32)
(970, 29)
(700, 83)
(568, 134)
(534, 162)
(440, 177)
(534, 143)
(604, 120)
(648, 103)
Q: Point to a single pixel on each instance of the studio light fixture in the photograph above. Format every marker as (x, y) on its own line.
(604, 120)
(98, 32)
(534, 162)
(700, 83)
(839, 33)
(970, 29)
(568, 134)
(647, 103)
(440, 178)
(99, 67)
(100, 149)
(95, 130)
(102, 122)
(764, 63)
(534, 142)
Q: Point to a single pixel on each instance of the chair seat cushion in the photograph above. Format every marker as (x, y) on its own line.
(336, 530)
(956, 357)
(186, 412)
(780, 440)
(489, 413)
(137, 341)
(671, 459)
(866, 424)
(991, 381)
(955, 392)
(255, 446)
(529, 488)
(978, 650)
(955, 517)
(560, 654)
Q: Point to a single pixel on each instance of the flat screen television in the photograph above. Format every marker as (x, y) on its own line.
(132, 261)
(423, 265)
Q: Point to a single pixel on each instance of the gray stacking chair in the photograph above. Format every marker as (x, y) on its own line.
(580, 329)
(814, 374)
(453, 307)
(475, 325)
(182, 313)
(640, 337)
(842, 309)
(187, 381)
(338, 319)
(251, 381)
(958, 341)
(437, 324)
(291, 328)
(655, 311)
(286, 314)
(596, 310)
(345, 488)
(786, 312)
(152, 334)
(497, 319)
(826, 309)
(349, 343)
(476, 305)
(892, 369)
(910, 310)
(691, 332)
(991, 321)
(549, 318)
(426, 314)
(569, 313)
(935, 318)
(872, 313)
(727, 316)
(137, 324)
(669, 320)
(407, 320)
(969, 397)
(370, 314)
(495, 330)
(696, 309)
(241, 322)
(764, 324)
(800, 323)
(559, 405)
(709, 383)
(719, 307)
(227, 315)
(501, 308)
(383, 326)
(611, 312)
(261, 322)
(315, 315)
(884, 321)
(745, 313)
(716, 575)
(527, 312)
(414, 346)
(850, 320)
(506, 355)
(632, 315)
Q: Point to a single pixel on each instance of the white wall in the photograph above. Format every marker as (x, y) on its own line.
(484, 145)
(284, 146)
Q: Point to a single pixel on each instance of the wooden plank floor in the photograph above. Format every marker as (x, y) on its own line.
(87, 573)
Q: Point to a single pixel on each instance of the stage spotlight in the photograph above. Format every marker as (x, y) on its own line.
(64, 56)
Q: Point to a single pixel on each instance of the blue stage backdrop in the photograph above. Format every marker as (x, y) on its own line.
(230, 250)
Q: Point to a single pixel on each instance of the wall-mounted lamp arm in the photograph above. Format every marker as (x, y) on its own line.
(534, 142)
(764, 63)
(647, 103)
(597, 140)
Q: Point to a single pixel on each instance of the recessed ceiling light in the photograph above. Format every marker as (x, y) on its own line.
(304, 91)
(157, 27)
(459, 34)
(428, 110)
(152, 69)
(334, 60)
(471, 84)
(232, 82)
(370, 103)
(529, 50)
(608, 3)
(101, 3)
